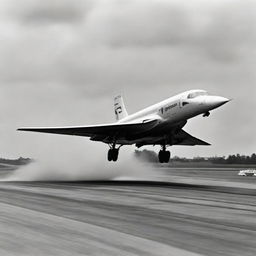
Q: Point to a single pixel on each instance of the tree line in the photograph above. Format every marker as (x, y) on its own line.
(19, 161)
(151, 156)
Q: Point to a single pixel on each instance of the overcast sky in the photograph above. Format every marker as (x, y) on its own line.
(63, 61)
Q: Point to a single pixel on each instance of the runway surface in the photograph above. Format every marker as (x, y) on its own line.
(179, 214)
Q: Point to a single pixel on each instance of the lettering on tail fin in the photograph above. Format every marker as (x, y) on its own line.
(118, 110)
(119, 107)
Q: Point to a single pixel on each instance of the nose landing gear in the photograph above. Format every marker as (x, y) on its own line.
(164, 155)
(206, 114)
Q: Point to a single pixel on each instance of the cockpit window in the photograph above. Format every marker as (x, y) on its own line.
(196, 94)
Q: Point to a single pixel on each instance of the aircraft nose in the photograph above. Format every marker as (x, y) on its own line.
(216, 101)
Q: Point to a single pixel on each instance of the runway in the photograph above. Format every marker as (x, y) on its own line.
(170, 216)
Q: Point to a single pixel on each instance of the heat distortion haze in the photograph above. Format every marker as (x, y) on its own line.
(171, 78)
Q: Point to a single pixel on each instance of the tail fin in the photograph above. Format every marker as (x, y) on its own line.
(120, 110)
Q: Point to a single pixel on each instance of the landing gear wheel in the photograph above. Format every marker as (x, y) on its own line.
(110, 155)
(167, 156)
(113, 154)
(164, 156)
(161, 156)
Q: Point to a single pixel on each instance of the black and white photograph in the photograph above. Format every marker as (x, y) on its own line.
(127, 127)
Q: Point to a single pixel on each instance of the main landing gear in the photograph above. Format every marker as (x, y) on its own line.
(206, 114)
(164, 155)
(113, 152)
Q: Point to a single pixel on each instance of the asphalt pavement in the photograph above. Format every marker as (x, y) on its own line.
(179, 215)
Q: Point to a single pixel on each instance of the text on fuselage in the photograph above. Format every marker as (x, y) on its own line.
(162, 110)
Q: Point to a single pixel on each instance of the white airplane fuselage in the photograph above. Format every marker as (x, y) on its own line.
(178, 109)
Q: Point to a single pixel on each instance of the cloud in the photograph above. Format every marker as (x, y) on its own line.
(48, 12)
(120, 37)
(82, 53)
(139, 24)
(200, 24)
(232, 35)
(124, 41)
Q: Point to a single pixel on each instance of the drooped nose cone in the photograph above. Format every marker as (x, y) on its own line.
(215, 101)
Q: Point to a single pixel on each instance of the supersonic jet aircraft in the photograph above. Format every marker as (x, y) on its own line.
(160, 124)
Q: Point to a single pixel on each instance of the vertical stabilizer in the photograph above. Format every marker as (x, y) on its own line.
(120, 110)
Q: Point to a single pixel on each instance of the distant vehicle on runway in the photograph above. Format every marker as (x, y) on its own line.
(160, 124)
(247, 172)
